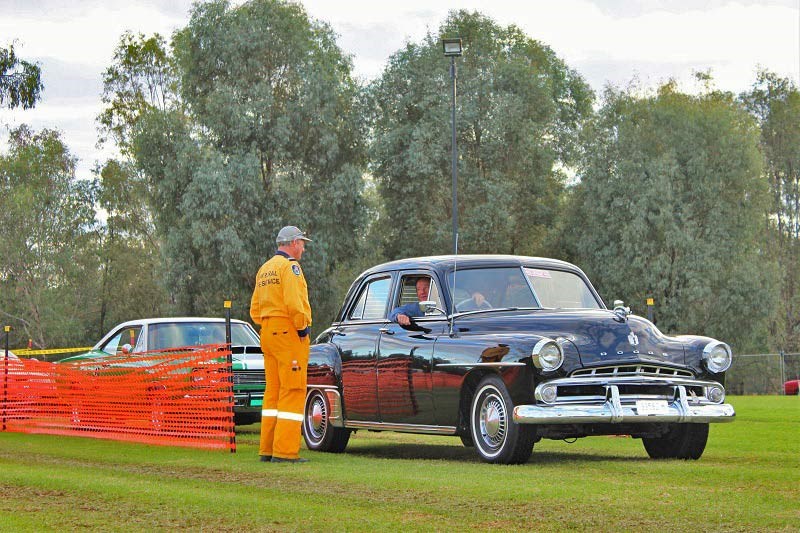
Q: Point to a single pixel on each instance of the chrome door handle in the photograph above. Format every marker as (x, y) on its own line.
(387, 331)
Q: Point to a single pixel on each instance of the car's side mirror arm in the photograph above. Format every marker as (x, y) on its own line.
(429, 305)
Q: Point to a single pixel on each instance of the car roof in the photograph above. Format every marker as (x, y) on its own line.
(173, 320)
(447, 262)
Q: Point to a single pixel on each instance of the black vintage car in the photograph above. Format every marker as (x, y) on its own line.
(509, 350)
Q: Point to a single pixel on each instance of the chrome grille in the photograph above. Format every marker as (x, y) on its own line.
(632, 370)
(249, 377)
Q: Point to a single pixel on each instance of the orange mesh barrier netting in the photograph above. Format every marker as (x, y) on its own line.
(180, 397)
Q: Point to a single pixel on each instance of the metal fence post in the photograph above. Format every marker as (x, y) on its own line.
(783, 370)
(5, 376)
(229, 348)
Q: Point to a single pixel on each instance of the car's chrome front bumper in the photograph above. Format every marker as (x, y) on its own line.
(677, 406)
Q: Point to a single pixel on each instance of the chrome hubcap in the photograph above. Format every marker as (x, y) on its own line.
(317, 418)
(493, 420)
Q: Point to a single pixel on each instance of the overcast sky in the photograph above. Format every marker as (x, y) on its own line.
(607, 41)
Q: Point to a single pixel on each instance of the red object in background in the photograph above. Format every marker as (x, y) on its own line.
(790, 388)
(30, 344)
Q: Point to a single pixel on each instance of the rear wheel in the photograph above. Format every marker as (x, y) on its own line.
(318, 432)
(682, 441)
(497, 438)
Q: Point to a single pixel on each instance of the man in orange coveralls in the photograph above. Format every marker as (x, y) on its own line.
(280, 305)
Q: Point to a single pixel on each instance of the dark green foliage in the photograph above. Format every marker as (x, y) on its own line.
(128, 256)
(140, 78)
(46, 263)
(775, 102)
(519, 108)
(20, 81)
(671, 206)
(266, 131)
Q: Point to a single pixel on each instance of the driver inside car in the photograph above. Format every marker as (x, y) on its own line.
(403, 314)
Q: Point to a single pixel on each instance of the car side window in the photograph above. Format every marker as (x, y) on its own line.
(168, 336)
(128, 335)
(408, 292)
(371, 303)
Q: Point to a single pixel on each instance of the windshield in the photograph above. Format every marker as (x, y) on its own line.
(559, 289)
(178, 334)
(490, 288)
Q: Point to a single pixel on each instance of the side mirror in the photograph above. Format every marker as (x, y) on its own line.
(428, 306)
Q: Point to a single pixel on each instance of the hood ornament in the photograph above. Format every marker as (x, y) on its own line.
(633, 339)
(621, 311)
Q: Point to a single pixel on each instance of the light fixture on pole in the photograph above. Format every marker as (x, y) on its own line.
(452, 49)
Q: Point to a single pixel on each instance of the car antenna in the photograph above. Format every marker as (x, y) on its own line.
(453, 288)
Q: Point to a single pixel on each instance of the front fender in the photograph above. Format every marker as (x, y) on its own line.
(693, 346)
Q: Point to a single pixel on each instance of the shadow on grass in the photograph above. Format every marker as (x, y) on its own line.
(469, 455)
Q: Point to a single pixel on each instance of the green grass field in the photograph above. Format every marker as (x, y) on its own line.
(747, 480)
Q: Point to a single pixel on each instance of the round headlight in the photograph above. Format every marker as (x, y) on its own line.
(717, 356)
(548, 394)
(547, 355)
(716, 394)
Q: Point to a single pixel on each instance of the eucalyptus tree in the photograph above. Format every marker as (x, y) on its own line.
(263, 127)
(127, 250)
(670, 205)
(775, 102)
(47, 216)
(140, 79)
(519, 109)
(20, 81)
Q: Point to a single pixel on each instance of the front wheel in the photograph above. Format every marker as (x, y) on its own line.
(497, 438)
(682, 441)
(318, 432)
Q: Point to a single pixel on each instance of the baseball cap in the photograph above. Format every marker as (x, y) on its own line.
(291, 233)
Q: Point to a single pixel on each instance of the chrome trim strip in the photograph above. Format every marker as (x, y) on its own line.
(630, 380)
(510, 363)
(642, 369)
(334, 401)
(411, 428)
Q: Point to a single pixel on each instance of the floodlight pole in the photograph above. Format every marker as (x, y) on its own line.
(455, 158)
(452, 49)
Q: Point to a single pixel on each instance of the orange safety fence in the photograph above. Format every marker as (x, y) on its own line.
(178, 397)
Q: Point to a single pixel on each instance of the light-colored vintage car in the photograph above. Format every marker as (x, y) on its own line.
(161, 334)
